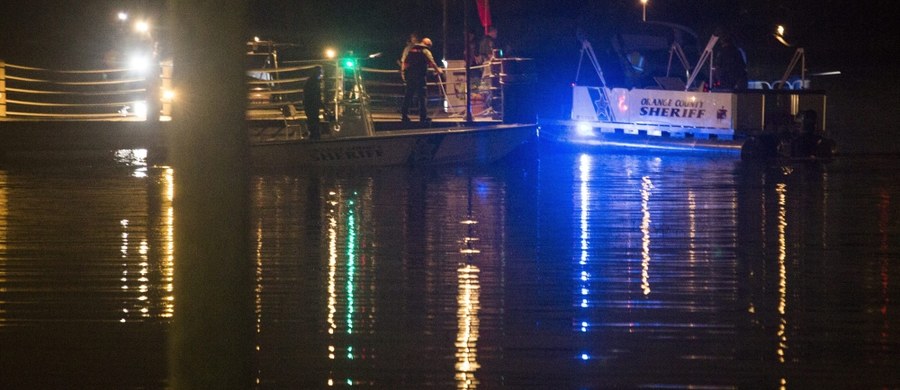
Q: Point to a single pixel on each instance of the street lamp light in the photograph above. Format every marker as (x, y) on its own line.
(779, 35)
(644, 6)
(142, 27)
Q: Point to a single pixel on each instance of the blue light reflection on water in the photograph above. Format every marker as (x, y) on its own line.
(570, 271)
(630, 280)
(583, 276)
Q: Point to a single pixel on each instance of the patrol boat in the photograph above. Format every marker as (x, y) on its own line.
(279, 135)
(760, 121)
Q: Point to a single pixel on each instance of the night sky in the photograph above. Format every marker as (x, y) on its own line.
(41, 29)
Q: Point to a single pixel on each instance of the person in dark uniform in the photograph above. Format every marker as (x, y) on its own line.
(312, 102)
(412, 41)
(413, 70)
(488, 44)
(731, 69)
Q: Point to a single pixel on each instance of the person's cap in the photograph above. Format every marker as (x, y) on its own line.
(426, 42)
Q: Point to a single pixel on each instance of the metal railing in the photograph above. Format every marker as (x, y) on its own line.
(102, 94)
(128, 94)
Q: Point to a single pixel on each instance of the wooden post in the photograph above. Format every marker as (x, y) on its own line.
(468, 67)
(2, 89)
(212, 338)
(166, 82)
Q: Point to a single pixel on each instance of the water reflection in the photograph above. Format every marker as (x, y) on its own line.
(580, 271)
(782, 271)
(385, 276)
(646, 187)
(86, 270)
(468, 303)
(4, 212)
(149, 299)
(467, 336)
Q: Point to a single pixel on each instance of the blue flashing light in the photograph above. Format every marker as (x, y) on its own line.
(585, 356)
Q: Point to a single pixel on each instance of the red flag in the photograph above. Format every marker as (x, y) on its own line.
(484, 13)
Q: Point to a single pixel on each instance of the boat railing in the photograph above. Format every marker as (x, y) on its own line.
(273, 91)
(446, 95)
(283, 86)
(28, 92)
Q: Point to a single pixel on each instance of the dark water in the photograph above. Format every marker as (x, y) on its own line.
(566, 271)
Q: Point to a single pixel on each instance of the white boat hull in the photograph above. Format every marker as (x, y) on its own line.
(637, 137)
(402, 147)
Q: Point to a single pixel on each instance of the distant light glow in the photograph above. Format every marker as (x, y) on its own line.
(781, 39)
(779, 35)
(139, 63)
(330, 53)
(140, 109)
(142, 26)
(584, 129)
(585, 356)
(122, 16)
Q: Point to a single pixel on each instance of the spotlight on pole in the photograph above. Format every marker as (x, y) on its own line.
(779, 35)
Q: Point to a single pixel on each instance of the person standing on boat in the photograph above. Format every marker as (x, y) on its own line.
(312, 102)
(731, 68)
(487, 45)
(414, 69)
(412, 41)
